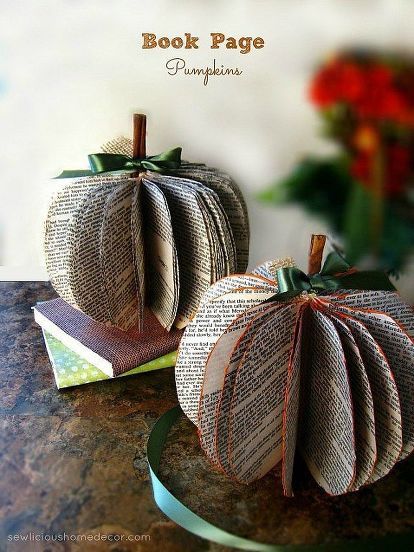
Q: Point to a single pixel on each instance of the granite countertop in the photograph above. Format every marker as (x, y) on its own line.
(73, 462)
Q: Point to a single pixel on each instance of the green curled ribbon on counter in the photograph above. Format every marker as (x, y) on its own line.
(335, 274)
(103, 163)
(189, 520)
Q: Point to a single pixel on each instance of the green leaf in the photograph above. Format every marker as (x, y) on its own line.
(393, 245)
(274, 194)
(324, 188)
(357, 226)
(321, 187)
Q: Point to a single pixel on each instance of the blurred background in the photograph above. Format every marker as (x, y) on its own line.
(72, 73)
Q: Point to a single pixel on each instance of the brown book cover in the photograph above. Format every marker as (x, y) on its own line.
(112, 350)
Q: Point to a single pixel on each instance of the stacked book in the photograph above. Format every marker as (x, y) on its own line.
(82, 350)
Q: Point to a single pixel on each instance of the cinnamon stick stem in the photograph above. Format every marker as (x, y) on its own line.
(316, 253)
(139, 135)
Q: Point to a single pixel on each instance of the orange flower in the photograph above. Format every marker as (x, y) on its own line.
(366, 139)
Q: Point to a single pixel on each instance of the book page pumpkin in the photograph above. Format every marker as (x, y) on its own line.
(143, 230)
(278, 362)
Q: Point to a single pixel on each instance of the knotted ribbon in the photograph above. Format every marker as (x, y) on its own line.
(101, 163)
(335, 274)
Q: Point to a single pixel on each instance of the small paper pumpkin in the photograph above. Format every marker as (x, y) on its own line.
(116, 240)
(277, 362)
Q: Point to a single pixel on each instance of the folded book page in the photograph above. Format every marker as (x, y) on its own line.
(161, 255)
(219, 378)
(201, 334)
(291, 408)
(193, 246)
(234, 205)
(226, 254)
(138, 253)
(235, 283)
(363, 406)
(85, 275)
(388, 302)
(387, 410)
(255, 432)
(326, 439)
(116, 255)
(398, 348)
(62, 209)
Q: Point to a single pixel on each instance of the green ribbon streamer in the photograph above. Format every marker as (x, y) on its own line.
(101, 163)
(183, 516)
(333, 276)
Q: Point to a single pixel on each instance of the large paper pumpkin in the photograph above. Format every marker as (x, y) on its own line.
(140, 230)
(277, 362)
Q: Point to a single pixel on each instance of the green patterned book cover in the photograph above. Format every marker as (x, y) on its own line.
(71, 369)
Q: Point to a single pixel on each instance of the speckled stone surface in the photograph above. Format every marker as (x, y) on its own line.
(73, 462)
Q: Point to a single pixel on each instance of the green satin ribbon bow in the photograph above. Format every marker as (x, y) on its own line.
(101, 163)
(335, 274)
